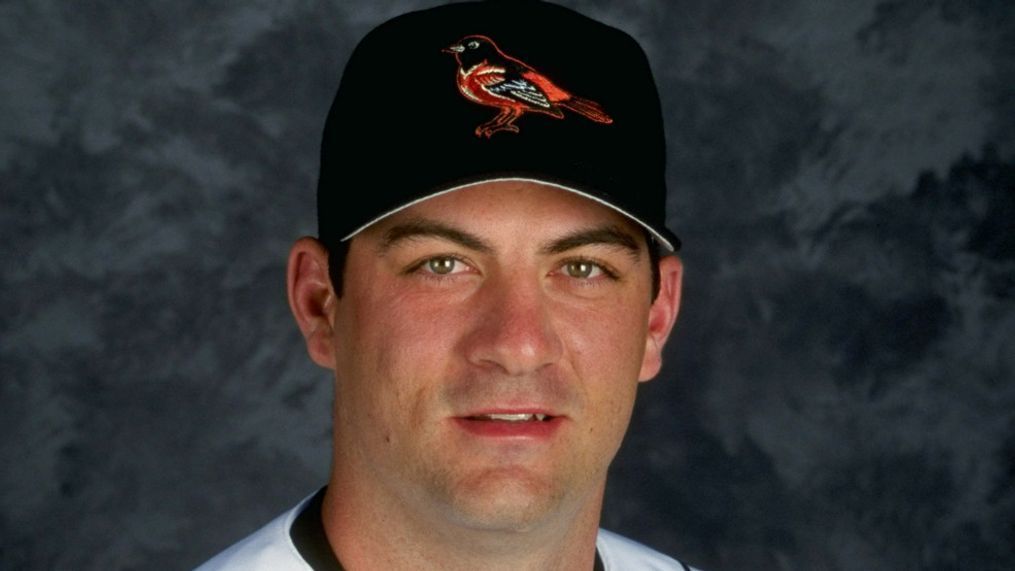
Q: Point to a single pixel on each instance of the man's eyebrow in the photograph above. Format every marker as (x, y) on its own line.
(606, 235)
(422, 228)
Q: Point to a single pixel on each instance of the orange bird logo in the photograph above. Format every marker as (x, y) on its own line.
(490, 77)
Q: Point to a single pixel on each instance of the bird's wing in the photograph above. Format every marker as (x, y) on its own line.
(553, 93)
(586, 107)
(521, 89)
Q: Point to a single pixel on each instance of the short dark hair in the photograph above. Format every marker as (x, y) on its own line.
(338, 252)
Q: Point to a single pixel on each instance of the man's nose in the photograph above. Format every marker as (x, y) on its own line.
(514, 329)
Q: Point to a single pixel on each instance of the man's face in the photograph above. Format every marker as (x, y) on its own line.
(487, 348)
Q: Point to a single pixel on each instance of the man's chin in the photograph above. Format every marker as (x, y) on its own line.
(505, 502)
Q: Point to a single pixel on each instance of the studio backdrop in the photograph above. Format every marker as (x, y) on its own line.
(839, 391)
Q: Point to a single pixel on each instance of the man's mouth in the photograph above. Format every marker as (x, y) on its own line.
(512, 417)
(528, 425)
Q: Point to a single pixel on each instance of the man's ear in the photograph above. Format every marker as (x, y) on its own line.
(312, 299)
(662, 315)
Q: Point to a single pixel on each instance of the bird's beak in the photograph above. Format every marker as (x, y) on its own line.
(455, 49)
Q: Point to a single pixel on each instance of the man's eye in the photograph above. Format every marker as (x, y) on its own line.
(444, 265)
(582, 270)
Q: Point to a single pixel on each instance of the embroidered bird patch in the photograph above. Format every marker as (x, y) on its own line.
(490, 77)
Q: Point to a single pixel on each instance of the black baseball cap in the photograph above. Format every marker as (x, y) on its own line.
(441, 99)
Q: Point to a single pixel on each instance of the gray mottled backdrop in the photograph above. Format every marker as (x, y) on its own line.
(839, 394)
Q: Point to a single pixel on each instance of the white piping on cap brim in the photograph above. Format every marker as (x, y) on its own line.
(655, 234)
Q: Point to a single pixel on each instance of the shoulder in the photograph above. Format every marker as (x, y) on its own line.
(267, 549)
(622, 554)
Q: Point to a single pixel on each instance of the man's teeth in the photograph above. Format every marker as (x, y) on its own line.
(520, 417)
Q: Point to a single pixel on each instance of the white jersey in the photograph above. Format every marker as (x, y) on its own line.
(271, 549)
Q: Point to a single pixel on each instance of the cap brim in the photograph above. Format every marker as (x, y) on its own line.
(671, 243)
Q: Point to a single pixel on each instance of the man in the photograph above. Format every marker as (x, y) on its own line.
(488, 289)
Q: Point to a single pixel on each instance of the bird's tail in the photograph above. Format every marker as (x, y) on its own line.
(586, 108)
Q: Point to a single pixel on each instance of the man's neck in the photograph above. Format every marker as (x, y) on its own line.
(370, 529)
